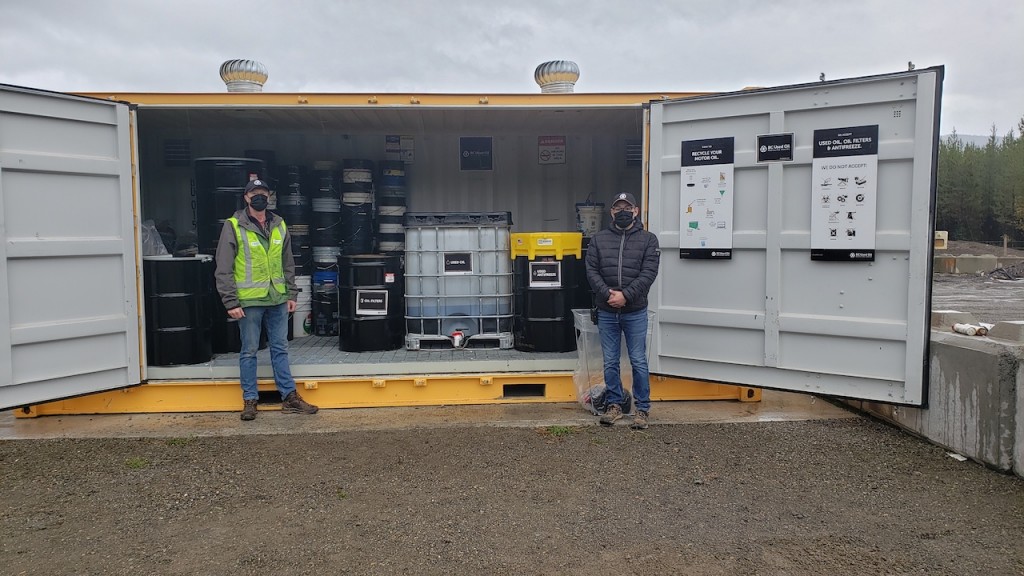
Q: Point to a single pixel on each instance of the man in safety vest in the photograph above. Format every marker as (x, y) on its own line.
(256, 281)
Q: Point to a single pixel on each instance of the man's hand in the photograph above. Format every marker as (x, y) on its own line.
(616, 299)
(292, 305)
(236, 313)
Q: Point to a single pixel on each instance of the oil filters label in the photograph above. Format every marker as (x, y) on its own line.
(546, 274)
(458, 262)
(706, 199)
(371, 302)
(844, 175)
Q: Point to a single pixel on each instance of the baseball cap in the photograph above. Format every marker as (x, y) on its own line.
(254, 184)
(624, 196)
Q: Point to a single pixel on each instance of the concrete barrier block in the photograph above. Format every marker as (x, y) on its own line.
(944, 264)
(1006, 261)
(1012, 331)
(974, 401)
(944, 319)
(976, 264)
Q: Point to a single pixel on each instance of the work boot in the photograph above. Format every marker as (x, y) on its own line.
(249, 410)
(611, 415)
(294, 404)
(640, 420)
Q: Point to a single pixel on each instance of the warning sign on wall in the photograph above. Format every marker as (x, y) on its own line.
(551, 149)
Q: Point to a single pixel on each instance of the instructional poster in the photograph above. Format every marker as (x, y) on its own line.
(706, 199)
(844, 187)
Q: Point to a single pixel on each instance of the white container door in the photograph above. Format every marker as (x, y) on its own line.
(796, 232)
(69, 321)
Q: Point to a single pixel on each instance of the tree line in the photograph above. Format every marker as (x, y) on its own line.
(980, 192)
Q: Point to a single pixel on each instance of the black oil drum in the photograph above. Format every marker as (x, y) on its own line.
(178, 315)
(219, 185)
(371, 310)
(326, 229)
(545, 293)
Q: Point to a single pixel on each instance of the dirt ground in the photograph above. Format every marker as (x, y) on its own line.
(837, 497)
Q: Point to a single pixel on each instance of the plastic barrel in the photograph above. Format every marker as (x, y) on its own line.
(325, 303)
(458, 280)
(545, 293)
(357, 228)
(370, 305)
(178, 315)
(326, 222)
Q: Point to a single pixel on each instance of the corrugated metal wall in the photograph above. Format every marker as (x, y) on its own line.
(540, 197)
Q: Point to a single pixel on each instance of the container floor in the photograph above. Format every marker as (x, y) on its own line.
(315, 356)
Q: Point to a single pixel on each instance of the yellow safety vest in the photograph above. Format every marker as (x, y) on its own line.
(256, 268)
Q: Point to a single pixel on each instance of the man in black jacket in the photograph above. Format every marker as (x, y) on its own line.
(622, 263)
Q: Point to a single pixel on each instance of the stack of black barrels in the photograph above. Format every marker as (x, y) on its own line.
(326, 240)
(294, 207)
(391, 206)
(179, 295)
(219, 186)
(357, 206)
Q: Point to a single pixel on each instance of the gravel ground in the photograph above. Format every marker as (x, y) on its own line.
(832, 497)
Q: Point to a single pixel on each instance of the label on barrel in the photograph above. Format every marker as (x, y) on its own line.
(458, 262)
(545, 274)
(389, 277)
(371, 302)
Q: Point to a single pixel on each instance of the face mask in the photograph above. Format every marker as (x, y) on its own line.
(624, 219)
(259, 202)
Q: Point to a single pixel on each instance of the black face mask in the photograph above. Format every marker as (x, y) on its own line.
(624, 219)
(259, 202)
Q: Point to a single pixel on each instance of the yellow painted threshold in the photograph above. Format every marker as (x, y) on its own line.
(432, 390)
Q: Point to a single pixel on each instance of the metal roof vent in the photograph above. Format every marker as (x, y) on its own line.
(557, 76)
(243, 75)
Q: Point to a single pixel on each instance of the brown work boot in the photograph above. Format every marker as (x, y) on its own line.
(611, 415)
(249, 410)
(294, 404)
(640, 420)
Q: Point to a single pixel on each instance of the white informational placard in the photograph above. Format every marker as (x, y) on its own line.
(844, 195)
(551, 149)
(397, 147)
(706, 199)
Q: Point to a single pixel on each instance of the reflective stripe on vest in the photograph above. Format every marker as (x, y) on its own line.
(257, 269)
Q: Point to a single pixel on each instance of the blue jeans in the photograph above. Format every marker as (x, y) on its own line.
(276, 319)
(634, 326)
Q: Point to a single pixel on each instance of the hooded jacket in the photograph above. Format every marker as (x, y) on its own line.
(227, 247)
(625, 260)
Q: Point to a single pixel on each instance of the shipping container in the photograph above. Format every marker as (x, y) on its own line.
(759, 306)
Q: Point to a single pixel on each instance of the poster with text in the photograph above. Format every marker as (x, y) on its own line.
(844, 186)
(398, 147)
(706, 199)
(551, 149)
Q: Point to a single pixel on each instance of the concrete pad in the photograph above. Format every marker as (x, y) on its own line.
(1012, 331)
(944, 319)
(976, 264)
(774, 407)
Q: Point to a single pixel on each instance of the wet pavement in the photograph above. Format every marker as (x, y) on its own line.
(774, 407)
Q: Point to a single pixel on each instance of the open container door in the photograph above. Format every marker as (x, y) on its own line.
(69, 322)
(796, 235)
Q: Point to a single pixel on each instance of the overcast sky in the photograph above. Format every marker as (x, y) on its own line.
(487, 46)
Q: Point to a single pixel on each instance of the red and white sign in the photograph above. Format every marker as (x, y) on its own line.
(551, 149)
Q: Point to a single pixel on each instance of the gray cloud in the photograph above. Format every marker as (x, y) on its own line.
(490, 47)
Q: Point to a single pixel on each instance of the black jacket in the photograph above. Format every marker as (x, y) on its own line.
(623, 260)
